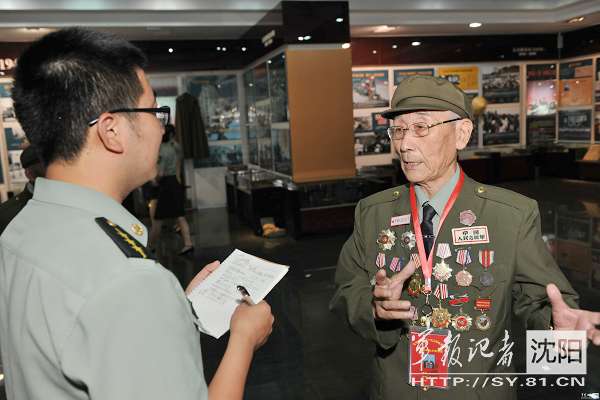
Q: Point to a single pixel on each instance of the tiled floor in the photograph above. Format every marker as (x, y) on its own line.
(311, 354)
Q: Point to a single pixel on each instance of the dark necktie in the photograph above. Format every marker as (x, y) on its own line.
(427, 227)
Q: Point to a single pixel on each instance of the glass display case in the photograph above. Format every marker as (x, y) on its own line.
(218, 101)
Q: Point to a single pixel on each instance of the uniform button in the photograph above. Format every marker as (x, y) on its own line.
(396, 194)
(480, 190)
(137, 229)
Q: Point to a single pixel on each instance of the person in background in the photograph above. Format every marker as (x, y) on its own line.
(33, 169)
(171, 193)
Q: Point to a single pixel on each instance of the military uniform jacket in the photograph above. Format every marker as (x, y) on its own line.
(521, 269)
(84, 312)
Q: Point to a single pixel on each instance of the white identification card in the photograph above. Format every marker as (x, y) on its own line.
(470, 235)
(400, 220)
(216, 297)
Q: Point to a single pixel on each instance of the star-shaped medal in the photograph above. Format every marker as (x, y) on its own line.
(386, 240)
(442, 271)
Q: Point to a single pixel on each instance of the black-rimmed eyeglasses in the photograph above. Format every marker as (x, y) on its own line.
(162, 113)
(419, 129)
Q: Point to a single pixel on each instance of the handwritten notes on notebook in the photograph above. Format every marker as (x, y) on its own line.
(215, 299)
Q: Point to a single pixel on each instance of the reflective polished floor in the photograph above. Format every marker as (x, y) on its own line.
(311, 354)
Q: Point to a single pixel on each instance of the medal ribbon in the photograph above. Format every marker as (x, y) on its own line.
(441, 291)
(427, 260)
(394, 265)
(486, 258)
(443, 251)
(463, 257)
(415, 259)
(380, 262)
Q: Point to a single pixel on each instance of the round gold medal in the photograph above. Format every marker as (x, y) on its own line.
(440, 318)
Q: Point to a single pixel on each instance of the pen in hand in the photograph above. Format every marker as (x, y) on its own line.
(245, 295)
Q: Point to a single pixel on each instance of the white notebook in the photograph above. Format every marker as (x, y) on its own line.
(215, 299)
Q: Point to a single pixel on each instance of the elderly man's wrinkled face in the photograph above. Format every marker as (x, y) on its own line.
(430, 159)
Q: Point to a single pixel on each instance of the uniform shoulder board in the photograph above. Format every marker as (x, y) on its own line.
(127, 243)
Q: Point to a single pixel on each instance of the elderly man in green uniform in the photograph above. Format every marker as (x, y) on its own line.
(85, 313)
(33, 169)
(446, 258)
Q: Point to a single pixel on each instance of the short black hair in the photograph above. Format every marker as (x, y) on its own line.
(68, 78)
(169, 133)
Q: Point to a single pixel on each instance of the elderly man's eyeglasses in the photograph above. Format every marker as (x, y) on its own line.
(419, 129)
(162, 113)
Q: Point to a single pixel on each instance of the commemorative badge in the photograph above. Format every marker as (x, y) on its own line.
(442, 271)
(462, 322)
(408, 240)
(464, 277)
(440, 318)
(470, 235)
(386, 240)
(467, 217)
(457, 301)
(414, 285)
(441, 292)
(483, 322)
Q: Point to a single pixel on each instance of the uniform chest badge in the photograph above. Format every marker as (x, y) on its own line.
(442, 271)
(408, 240)
(440, 318)
(462, 322)
(386, 239)
(467, 217)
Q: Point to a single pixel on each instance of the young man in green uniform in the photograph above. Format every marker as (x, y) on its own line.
(85, 313)
(447, 256)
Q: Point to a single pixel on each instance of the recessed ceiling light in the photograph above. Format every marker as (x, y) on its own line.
(374, 51)
(384, 29)
(218, 48)
(307, 37)
(170, 49)
(269, 62)
(339, 20)
(416, 43)
(251, 84)
(395, 46)
(475, 24)
(576, 19)
(346, 46)
(223, 48)
(244, 49)
(300, 38)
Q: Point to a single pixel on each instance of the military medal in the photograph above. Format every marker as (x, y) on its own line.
(456, 301)
(380, 261)
(440, 318)
(395, 264)
(483, 322)
(426, 313)
(386, 240)
(414, 285)
(486, 259)
(462, 322)
(442, 271)
(467, 217)
(408, 240)
(464, 277)
(414, 257)
(441, 292)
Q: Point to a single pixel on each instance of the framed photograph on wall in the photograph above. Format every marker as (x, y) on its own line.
(500, 84)
(575, 125)
(501, 125)
(576, 87)
(370, 89)
(466, 77)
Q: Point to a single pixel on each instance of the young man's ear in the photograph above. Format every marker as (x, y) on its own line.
(108, 133)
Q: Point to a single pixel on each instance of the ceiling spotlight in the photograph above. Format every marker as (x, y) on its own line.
(576, 19)
(339, 20)
(383, 29)
(269, 62)
(224, 48)
(394, 46)
(475, 25)
(374, 51)
(251, 84)
(244, 49)
(307, 37)
(170, 49)
(346, 46)
(218, 48)
(415, 43)
(300, 38)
